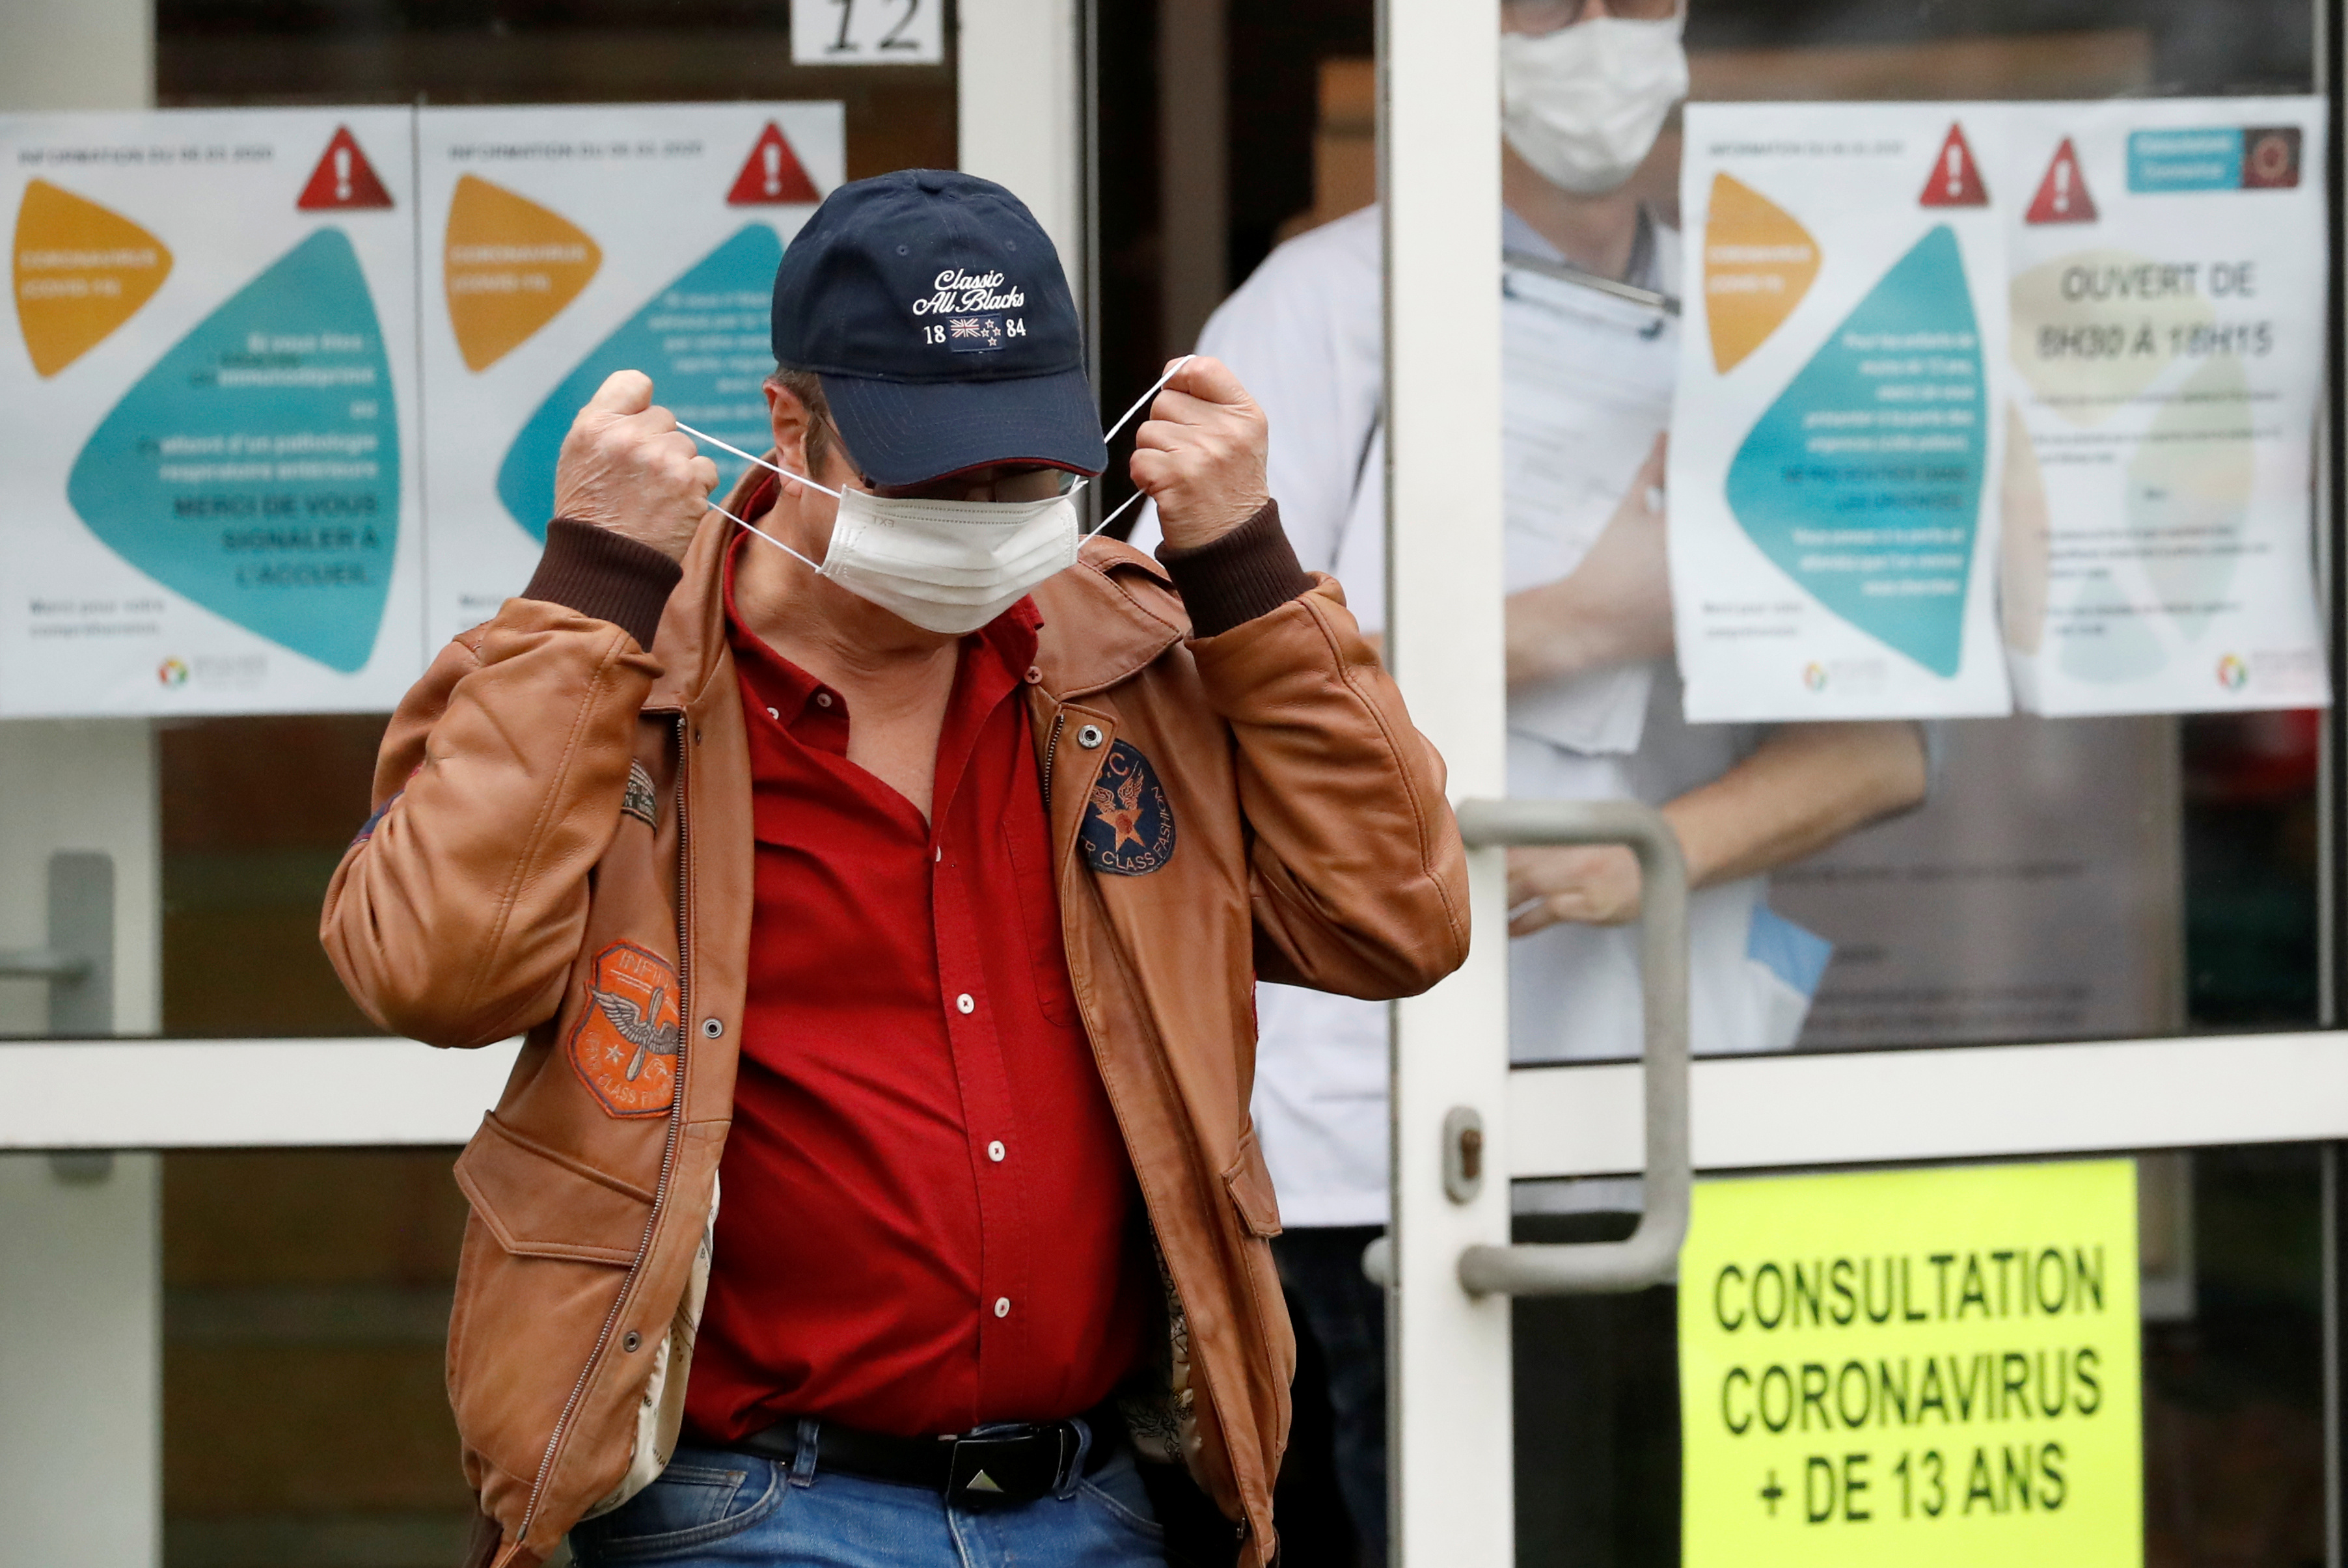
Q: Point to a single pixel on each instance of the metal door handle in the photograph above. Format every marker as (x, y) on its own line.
(79, 961)
(1652, 1253)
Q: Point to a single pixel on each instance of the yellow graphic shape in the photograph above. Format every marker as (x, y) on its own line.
(1757, 264)
(509, 266)
(2026, 547)
(2092, 330)
(80, 272)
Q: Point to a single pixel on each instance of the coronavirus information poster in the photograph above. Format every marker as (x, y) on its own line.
(561, 244)
(210, 494)
(1832, 531)
(2168, 272)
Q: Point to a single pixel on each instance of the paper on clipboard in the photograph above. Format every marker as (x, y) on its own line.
(1586, 387)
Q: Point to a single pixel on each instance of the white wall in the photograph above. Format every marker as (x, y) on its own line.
(80, 1275)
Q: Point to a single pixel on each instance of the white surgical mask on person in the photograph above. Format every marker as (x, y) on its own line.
(1583, 104)
(948, 566)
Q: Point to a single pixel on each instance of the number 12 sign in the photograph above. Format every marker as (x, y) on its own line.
(868, 32)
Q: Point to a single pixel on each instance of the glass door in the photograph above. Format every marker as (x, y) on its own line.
(2080, 917)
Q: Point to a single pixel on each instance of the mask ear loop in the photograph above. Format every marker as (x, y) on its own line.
(761, 462)
(1127, 505)
(1143, 402)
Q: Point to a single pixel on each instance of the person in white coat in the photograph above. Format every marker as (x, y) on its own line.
(1594, 707)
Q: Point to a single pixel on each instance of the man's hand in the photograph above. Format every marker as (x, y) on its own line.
(1589, 884)
(627, 467)
(1200, 455)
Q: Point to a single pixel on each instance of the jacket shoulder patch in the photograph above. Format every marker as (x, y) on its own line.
(623, 1045)
(1128, 828)
(640, 801)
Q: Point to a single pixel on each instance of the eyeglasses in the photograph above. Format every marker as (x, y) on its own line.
(1536, 17)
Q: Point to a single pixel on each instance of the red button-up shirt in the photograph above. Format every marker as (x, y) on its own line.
(927, 1215)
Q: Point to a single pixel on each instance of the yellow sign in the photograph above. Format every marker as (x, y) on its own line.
(1926, 1368)
(511, 266)
(81, 271)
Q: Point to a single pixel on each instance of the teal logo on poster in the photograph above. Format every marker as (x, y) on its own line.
(704, 340)
(1863, 481)
(255, 469)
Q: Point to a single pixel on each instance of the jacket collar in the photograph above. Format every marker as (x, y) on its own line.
(1104, 619)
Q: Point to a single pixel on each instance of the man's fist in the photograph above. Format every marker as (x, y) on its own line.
(627, 467)
(1200, 455)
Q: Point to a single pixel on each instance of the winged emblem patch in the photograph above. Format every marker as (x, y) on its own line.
(1128, 828)
(623, 1046)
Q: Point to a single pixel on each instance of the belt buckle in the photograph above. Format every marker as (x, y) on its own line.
(1012, 1463)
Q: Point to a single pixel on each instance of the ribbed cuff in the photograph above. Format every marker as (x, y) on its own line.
(1252, 570)
(606, 575)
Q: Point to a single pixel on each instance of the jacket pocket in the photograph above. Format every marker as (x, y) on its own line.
(1249, 1181)
(546, 1255)
(541, 1202)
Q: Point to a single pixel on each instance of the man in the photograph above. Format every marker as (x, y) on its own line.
(921, 909)
(1594, 700)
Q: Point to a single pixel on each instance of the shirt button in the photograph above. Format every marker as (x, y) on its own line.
(939, 853)
(1003, 1306)
(995, 1150)
(1035, 676)
(775, 713)
(964, 1004)
(823, 699)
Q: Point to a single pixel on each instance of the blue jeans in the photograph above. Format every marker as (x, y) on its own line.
(715, 1506)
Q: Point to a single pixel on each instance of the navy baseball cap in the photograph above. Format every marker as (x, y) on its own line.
(933, 307)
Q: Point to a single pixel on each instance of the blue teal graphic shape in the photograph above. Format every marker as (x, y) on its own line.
(704, 340)
(1863, 481)
(255, 469)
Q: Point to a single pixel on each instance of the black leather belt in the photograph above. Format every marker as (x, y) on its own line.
(1006, 1461)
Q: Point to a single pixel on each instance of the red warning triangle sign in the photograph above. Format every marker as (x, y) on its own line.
(773, 176)
(2063, 197)
(1956, 178)
(344, 178)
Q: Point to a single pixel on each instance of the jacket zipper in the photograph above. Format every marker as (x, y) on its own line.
(668, 1155)
(1051, 749)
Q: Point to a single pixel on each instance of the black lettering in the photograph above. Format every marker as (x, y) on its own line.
(2014, 1381)
(1867, 1288)
(1941, 1261)
(1854, 1482)
(1814, 1470)
(1975, 1290)
(2090, 1276)
(2091, 1392)
(2004, 1260)
(1719, 1305)
(1845, 1305)
(1814, 1395)
(1933, 1394)
(1979, 1483)
(1771, 1272)
(1727, 1418)
(1784, 1380)
(2016, 1464)
(1807, 1287)
(2058, 1489)
(1889, 1395)
(2054, 1392)
(1842, 1394)
(2051, 1304)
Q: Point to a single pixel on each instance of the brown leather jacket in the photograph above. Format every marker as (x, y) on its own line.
(563, 818)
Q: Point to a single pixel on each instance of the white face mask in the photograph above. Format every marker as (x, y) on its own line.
(948, 566)
(1583, 104)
